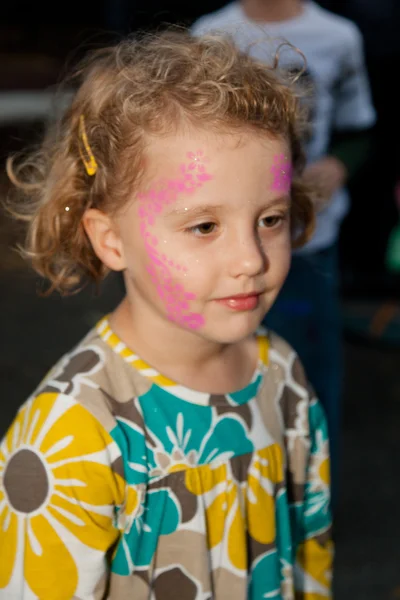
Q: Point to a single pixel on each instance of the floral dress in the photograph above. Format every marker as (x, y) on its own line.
(116, 482)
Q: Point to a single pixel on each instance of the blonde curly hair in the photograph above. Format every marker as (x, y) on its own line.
(148, 85)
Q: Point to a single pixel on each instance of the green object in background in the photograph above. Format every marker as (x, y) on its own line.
(393, 250)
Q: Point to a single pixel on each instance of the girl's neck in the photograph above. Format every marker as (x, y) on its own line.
(272, 10)
(182, 355)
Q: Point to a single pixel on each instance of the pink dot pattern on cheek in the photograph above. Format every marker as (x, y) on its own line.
(193, 175)
(282, 171)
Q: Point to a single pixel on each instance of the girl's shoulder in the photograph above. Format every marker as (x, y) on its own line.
(281, 359)
(291, 411)
(286, 395)
(98, 375)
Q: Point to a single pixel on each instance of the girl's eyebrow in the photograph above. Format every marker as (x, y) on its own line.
(285, 199)
(194, 211)
(207, 209)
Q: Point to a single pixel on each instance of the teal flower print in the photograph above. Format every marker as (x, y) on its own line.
(182, 436)
(158, 514)
(317, 493)
(132, 444)
(265, 581)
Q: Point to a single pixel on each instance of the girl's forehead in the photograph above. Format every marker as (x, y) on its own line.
(209, 167)
(177, 147)
(164, 155)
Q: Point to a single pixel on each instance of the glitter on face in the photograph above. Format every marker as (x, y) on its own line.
(282, 171)
(151, 204)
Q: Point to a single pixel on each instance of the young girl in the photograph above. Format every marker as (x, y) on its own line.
(175, 453)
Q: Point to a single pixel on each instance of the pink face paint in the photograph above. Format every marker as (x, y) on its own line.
(176, 299)
(282, 171)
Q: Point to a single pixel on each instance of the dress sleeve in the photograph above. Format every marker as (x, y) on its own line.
(60, 491)
(311, 516)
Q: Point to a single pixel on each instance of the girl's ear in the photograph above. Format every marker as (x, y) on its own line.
(104, 237)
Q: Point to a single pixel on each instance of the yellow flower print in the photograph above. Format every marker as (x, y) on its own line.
(57, 492)
(265, 472)
(133, 508)
(224, 516)
(315, 561)
(229, 502)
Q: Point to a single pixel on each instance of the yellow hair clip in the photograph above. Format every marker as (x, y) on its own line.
(89, 160)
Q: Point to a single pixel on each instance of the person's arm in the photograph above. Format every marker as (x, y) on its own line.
(353, 120)
(311, 518)
(347, 154)
(59, 496)
(354, 112)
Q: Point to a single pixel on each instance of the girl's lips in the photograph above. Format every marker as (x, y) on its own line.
(241, 302)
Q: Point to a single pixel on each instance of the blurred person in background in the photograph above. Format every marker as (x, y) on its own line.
(341, 114)
(379, 23)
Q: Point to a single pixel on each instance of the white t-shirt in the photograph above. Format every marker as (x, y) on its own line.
(341, 98)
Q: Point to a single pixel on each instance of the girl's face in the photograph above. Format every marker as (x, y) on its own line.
(206, 243)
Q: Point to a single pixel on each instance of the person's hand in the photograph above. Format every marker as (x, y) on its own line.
(326, 176)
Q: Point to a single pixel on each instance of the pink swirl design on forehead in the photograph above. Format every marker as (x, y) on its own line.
(193, 175)
(282, 171)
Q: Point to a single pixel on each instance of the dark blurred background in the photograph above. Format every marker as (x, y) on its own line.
(36, 44)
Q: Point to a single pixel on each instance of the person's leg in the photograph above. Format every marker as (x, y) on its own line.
(307, 315)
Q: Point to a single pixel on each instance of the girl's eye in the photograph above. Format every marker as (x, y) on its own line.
(271, 221)
(203, 228)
